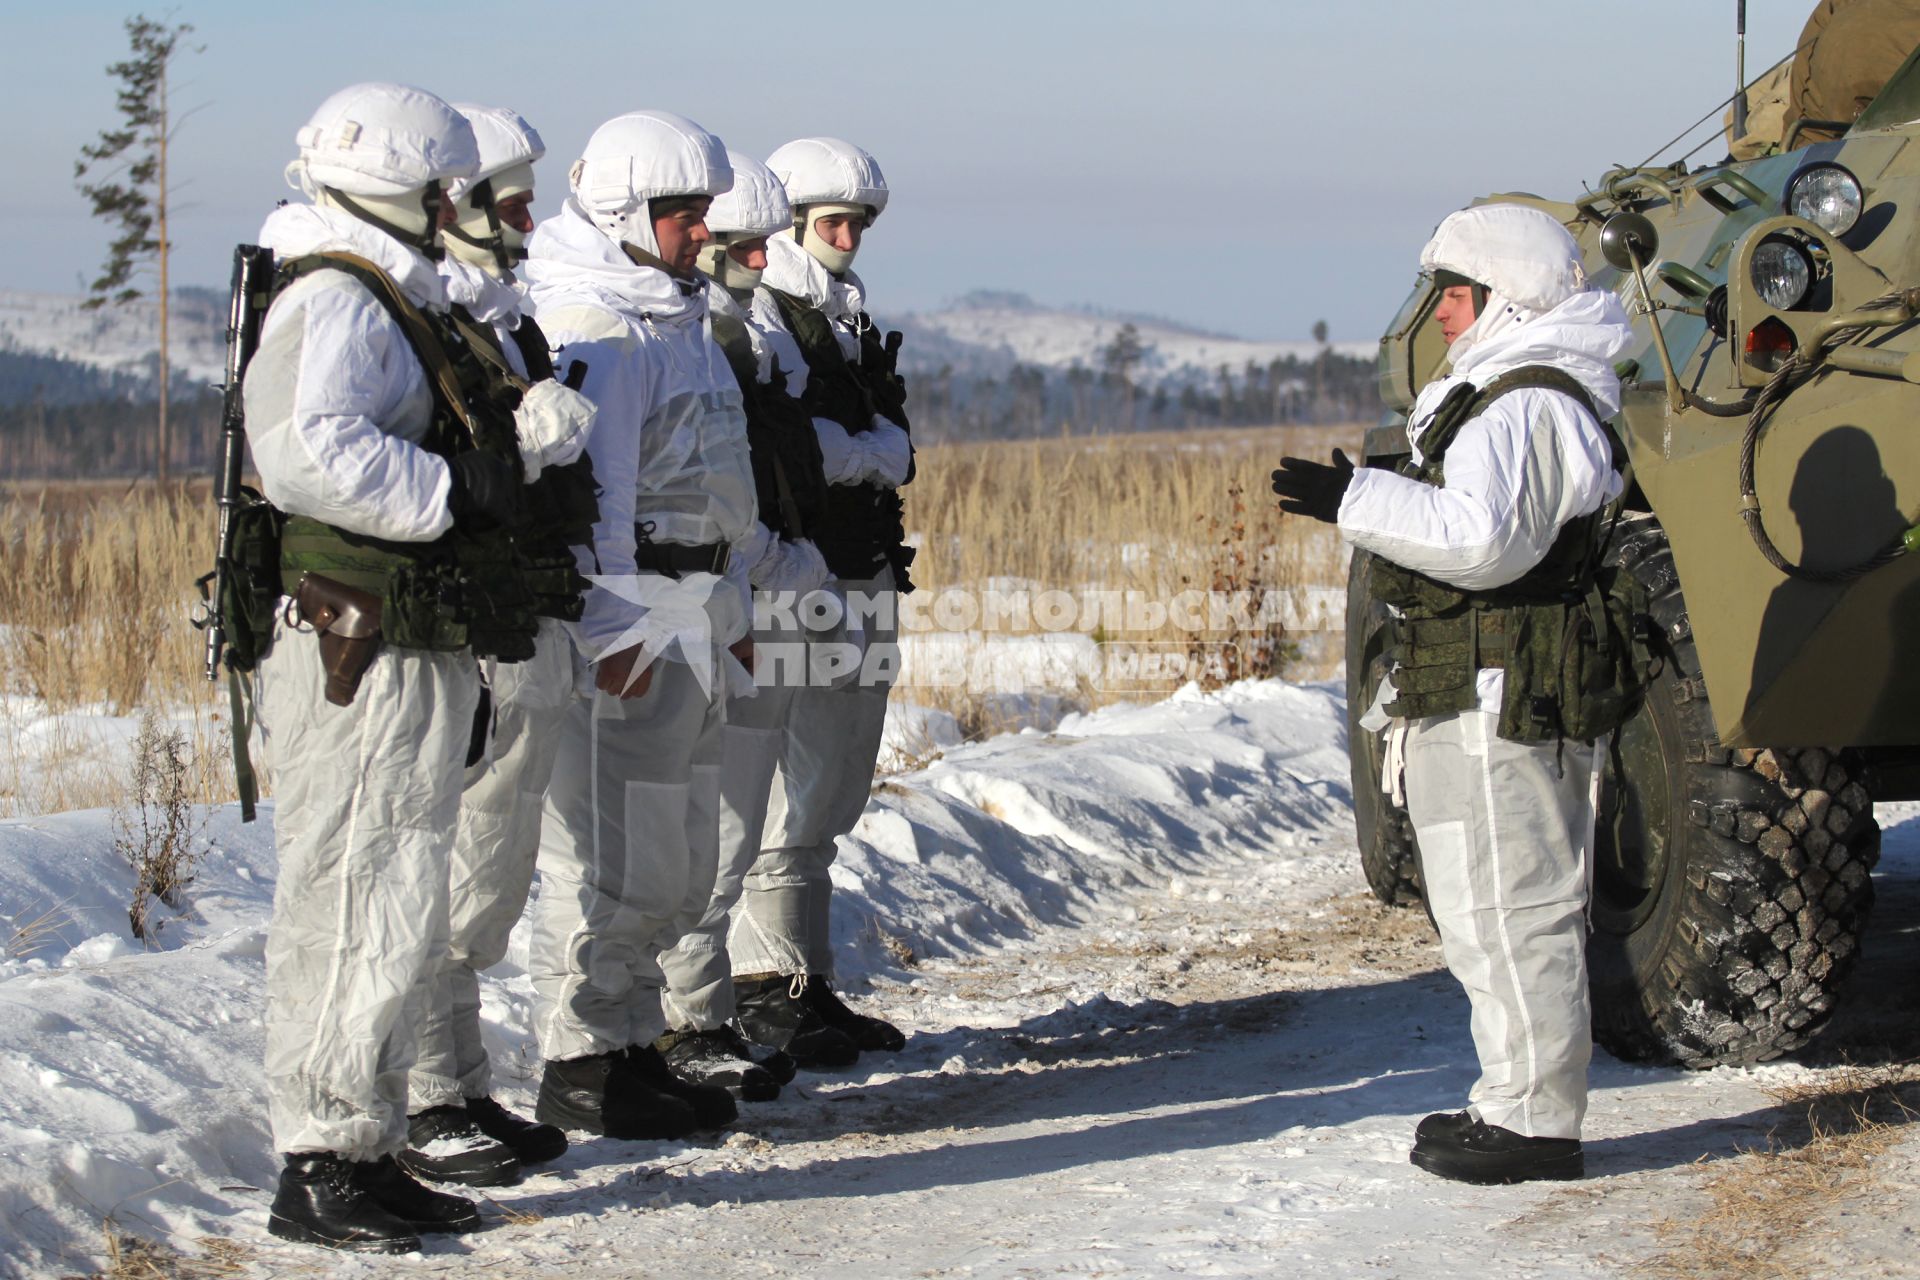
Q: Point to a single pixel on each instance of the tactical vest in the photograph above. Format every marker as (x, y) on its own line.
(1565, 633)
(861, 530)
(466, 589)
(563, 504)
(789, 478)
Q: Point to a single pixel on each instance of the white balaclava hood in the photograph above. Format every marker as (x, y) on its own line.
(1528, 262)
(826, 176)
(508, 148)
(753, 209)
(640, 157)
(383, 152)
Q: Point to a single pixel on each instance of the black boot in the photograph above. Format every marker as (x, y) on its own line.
(775, 1062)
(445, 1145)
(599, 1093)
(713, 1107)
(425, 1210)
(870, 1034)
(1442, 1124)
(770, 1011)
(531, 1143)
(1487, 1154)
(320, 1202)
(718, 1057)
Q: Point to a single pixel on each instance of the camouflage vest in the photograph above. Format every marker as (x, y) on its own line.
(1564, 633)
(861, 529)
(465, 589)
(563, 504)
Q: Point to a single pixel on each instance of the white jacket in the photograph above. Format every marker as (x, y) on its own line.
(1531, 462)
(336, 402)
(1516, 473)
(669, 447)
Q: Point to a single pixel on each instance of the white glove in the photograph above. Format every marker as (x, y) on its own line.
(794, 566)
(887, 452)
(842, 460)
(553, 422)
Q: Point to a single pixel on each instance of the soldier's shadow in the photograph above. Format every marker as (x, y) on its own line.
(1357, 1065)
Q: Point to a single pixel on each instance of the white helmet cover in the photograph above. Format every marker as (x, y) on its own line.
(756, 205)
(505, 140)
(754, 208)
(644, 156)
(508, 148)
(829, 171)
(1517, 252)
(382, 139)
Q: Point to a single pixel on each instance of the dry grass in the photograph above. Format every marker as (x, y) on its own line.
(1776, 1212)
(131, 1258)
(95, 595)
(96, 587)
(1156, 514)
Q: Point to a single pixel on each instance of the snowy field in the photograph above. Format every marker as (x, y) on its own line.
(1158, 1028)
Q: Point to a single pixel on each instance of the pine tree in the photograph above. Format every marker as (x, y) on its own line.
(130, 190)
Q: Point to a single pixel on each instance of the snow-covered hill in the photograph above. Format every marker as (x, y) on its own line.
(120, 339)
(984, 333)
(989, 331)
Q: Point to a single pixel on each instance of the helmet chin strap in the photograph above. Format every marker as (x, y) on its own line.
(426, 241)
(495, 243)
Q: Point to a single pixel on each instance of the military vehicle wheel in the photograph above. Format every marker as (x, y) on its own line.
(1731, 886)
(1388, 854)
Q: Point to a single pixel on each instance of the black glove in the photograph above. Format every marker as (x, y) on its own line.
(485, 490)
(1313, 488)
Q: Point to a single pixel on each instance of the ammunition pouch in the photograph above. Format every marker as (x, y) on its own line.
(1575, 666)
(561, 508)
(1569, 634)
(462, 591)
(347, 621)
(250, 588)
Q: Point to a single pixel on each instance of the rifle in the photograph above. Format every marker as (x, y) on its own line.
(252, 289)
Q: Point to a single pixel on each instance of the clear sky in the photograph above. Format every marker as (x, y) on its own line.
(1248, 167)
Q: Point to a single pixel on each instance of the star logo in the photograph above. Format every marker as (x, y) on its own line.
(672, 611)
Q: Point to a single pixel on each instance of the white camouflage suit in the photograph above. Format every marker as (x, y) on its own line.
(832, 729)
(366, 796)
(699, 973)
(629, 844)
(499, 825)
(1506, 828)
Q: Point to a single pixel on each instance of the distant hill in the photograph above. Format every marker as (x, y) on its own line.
(118, 339)
(992, 364)
(988, 332)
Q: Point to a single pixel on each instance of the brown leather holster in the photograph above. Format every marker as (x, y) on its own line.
(347, 620)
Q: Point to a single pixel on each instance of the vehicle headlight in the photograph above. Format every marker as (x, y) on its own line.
(1782, 272)
(1827, 196)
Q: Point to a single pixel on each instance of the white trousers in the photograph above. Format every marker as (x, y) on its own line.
(628, 849)
(819, 790)
(1506, 835)
(492, 866)
(699, 972)
(366, 798)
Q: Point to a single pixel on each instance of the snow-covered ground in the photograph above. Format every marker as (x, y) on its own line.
(1157, 1029)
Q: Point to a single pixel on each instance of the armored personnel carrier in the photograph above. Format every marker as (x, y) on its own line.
(1771, 433)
